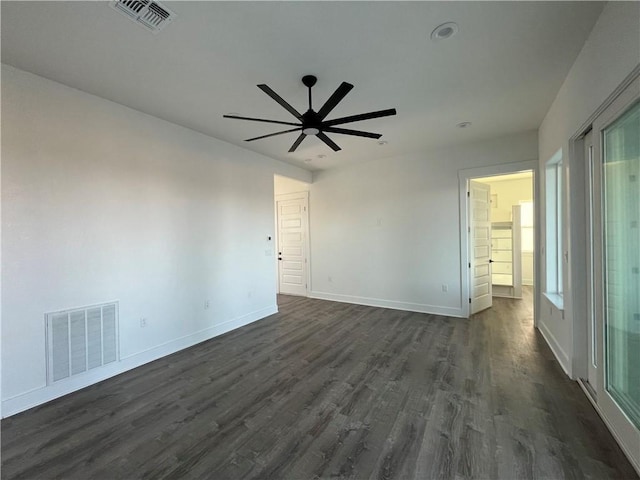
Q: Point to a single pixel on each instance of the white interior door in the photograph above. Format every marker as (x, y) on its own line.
(292, 243)
(480, 245)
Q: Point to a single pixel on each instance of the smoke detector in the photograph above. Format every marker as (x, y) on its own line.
(149, 14)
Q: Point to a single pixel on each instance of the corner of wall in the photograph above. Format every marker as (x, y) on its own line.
(609, 54)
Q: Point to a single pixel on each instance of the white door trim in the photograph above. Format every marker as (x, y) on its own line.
(294, 196)
(464, 176)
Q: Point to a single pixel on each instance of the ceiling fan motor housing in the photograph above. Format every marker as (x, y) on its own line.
(311, 123)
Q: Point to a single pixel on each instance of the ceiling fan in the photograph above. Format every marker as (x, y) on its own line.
(314, 123)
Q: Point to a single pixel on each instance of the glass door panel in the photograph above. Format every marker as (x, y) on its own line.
(621, 245)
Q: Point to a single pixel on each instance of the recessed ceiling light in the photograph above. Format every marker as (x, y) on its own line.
(444, 31)
(321, 156)
(382, 142)
(464, 125)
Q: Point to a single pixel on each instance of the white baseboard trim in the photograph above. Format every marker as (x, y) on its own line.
(46, 393)
(634, 463)
(558, 352)
(382, 303)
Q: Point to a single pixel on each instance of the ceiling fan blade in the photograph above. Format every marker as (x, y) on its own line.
(362, 116)
(280, 100)
(273, 134)
(328, 141)
(357, 133)
(297, 142)
(334, 99)
(262, 120)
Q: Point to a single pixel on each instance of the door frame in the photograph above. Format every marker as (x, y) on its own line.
(304, 195)
(464, 176)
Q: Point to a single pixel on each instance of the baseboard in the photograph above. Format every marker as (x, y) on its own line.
(558, 352)
(392, 304)
(38, 396)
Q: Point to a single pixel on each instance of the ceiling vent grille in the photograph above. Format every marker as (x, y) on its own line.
(80, 340)
(151, 15)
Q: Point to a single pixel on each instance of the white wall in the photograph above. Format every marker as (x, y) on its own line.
(386, 232)
(100, 203)
(609, 55)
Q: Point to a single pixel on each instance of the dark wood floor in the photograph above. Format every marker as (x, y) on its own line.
(324, 390)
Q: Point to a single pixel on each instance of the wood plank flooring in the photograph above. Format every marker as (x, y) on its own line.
(330, 390)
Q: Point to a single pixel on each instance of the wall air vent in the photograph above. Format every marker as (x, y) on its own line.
(80, 340)
(151, 15)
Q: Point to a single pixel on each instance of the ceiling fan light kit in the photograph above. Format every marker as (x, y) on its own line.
(314, 123)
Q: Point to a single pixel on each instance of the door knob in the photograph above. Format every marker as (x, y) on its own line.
(490, 261)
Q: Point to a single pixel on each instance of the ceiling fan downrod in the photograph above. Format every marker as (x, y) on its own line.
(309, 81)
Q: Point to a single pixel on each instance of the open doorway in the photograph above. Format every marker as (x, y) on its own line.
(498, 234)
(512, 234)
(291, 203)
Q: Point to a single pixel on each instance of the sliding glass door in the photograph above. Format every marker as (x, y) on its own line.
(616, 230)
(621, 241)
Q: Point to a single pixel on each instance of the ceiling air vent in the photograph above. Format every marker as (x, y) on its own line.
(151, 15)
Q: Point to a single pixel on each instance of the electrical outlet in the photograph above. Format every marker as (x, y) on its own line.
(143, 322)
(330, 279)
(445, 287)
(206, 304)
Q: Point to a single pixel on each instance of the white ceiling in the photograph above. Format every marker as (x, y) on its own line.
(501, 71)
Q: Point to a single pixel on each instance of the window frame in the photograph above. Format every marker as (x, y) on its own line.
(554, 241)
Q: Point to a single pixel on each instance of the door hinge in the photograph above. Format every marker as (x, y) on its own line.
(469, 264)
(469, 301)
(468, 194)
(305, 208)
(469, 229)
